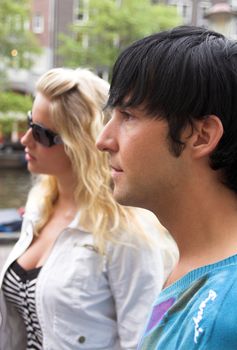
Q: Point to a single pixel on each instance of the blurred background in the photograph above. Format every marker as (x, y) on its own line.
(36, 35)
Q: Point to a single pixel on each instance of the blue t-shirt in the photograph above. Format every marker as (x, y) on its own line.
(199, 311)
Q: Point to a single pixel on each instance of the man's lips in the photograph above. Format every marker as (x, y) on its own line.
(116, 168)
(115, 171)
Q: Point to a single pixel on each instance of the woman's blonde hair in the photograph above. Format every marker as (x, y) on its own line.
(77, 98)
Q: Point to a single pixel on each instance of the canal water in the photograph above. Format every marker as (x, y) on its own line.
(14, 187)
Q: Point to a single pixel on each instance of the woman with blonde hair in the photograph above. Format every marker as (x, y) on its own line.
(83, 273)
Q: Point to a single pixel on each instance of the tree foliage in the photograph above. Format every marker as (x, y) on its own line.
(110, 28)
(13, 109)
(11, 101)
(16, 41)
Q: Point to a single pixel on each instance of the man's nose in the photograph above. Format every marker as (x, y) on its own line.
(106, 141)
(101, 142)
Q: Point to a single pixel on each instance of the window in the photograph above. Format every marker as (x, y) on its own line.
(82, 10)
(185, 8)
(203, 9)
(38, 23)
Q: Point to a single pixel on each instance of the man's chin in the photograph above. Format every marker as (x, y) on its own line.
(118, 197)
(123, 199)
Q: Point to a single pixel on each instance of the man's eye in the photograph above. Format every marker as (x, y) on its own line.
(126, 115)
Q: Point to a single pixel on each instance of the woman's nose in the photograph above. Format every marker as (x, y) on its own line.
(27, 137)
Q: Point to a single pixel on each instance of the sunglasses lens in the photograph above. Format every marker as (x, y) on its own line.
(40, 135)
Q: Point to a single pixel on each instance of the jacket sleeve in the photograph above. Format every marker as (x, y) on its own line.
(12, 329)
(136, 276)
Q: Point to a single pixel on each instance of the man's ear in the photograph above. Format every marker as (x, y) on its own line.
(206, 135)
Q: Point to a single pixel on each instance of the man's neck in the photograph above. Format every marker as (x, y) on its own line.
(204, 226)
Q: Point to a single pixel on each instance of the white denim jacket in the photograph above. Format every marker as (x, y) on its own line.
(85, 300)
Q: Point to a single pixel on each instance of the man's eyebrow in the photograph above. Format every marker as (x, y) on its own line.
(124, 109)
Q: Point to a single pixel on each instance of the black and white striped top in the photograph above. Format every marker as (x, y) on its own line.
(19, 289)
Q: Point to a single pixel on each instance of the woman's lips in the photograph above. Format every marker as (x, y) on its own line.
(29, 157)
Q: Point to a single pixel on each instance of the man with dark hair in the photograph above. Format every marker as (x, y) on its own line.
(172, 142)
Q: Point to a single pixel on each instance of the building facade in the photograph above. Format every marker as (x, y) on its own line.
(49, 18)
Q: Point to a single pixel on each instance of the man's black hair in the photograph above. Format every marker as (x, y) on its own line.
(181, 75)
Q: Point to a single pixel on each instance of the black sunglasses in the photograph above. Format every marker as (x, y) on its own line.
(42, 135)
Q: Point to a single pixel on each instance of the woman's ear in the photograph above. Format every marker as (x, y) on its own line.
(206, 136)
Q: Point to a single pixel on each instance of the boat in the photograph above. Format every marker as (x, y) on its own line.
(12, 156)
(10, 224)
(12, 160)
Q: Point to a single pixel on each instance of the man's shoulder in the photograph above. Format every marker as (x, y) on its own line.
(197, 314)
